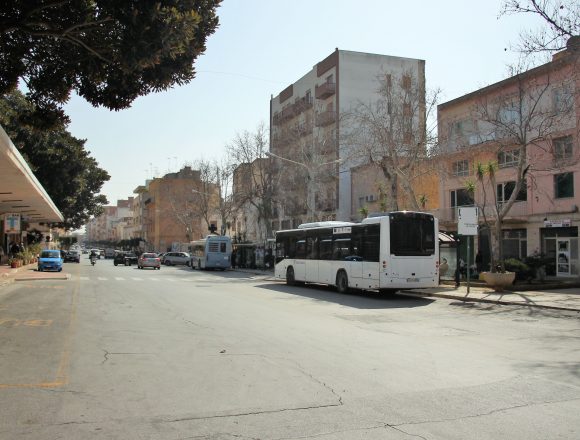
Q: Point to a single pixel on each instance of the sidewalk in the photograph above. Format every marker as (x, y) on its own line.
(28, 273)
(549, 297)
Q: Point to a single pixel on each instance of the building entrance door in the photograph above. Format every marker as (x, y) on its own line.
(563, 257)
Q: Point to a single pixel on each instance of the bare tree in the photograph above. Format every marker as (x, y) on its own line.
(393, 134)
(206, 192)
(254, 186)
(306, 160)
(560, 17)
(224, 173)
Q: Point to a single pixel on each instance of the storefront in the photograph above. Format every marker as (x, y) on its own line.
(559, 243)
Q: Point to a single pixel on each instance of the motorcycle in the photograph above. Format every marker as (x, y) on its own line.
(93, 260)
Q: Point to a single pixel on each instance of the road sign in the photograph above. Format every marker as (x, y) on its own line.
(467, 221)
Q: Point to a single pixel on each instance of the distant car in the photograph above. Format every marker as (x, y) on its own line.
(50, 260)
(102, 253)
(173, 258)
(126, 258)
(149, 259)
(73, 255)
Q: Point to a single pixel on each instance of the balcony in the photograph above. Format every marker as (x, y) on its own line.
(519, 210)
(303, 104)
(325, 90)
(325, 118)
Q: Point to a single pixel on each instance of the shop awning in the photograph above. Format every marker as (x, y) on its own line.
(20, 191)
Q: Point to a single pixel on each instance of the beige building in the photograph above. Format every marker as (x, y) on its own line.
(179, 208)
(308, 134)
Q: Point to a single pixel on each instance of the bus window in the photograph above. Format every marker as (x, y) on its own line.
(301, 249)
(223, 247)
(325, 248)
(341, 248)
(412, 235)
(371, 243)
(312, 248)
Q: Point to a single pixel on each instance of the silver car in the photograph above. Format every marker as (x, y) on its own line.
(173, 258)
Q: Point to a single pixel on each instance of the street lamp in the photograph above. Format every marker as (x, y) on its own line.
(312, 183)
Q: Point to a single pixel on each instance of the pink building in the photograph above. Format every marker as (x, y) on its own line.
(529, 126)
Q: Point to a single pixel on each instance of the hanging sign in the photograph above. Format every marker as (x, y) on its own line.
(467, 221)
(12, 223)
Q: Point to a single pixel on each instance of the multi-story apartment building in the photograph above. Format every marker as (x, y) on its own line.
(180, 208)
(528, 125)
(308, 136)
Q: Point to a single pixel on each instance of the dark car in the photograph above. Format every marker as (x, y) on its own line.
(72, 255)
(126, 258)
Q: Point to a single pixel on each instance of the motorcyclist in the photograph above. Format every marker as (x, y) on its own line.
(93, 256)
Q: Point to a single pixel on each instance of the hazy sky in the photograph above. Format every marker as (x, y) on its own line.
(262, 46)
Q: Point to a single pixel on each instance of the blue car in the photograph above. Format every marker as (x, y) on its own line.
(50, 260)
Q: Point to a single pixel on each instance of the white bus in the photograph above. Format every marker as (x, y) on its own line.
(391, 251)
(212, 252)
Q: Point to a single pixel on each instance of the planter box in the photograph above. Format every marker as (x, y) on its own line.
(498, 281)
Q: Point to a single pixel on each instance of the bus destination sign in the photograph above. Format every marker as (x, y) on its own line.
(342, 230)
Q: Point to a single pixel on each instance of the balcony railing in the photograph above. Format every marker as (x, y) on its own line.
(518, 210)
(325, 118)
(325, 90)
(302, 104)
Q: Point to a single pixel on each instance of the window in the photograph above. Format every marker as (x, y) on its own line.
(564, 185)
(563, 148)
(371, 243)
(509, 115)
(461, 197)
(505, 190)
(508, 158)
(562, 99)
(460, 168)
(514, 243)
(330, 79)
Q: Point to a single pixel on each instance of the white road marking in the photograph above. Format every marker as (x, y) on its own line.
(120, 278)
(102, 278)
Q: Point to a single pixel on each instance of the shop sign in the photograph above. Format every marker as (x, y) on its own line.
(557, 223)
(12, 223)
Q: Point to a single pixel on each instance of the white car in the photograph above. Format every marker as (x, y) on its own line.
(172, 258)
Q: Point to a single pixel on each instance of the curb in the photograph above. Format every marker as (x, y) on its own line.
(65, 276)
(485, 300)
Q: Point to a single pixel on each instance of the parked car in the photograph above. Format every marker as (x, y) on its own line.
(149, 259)
(126, 258)
(50, 259)
(73, 255)
(173, 258)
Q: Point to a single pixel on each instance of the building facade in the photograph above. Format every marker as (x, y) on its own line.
(179, 208)
(528, 126)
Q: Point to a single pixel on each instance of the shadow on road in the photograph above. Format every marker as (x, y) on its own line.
(355, 299)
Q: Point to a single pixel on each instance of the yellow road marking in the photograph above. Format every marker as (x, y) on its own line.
(62, 371)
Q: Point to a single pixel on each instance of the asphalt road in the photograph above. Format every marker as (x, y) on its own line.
(122, 353)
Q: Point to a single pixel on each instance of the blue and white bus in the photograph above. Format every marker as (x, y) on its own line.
(212, 252)
(391, 251)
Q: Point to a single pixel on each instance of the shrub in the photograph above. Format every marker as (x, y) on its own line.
(522, 270)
